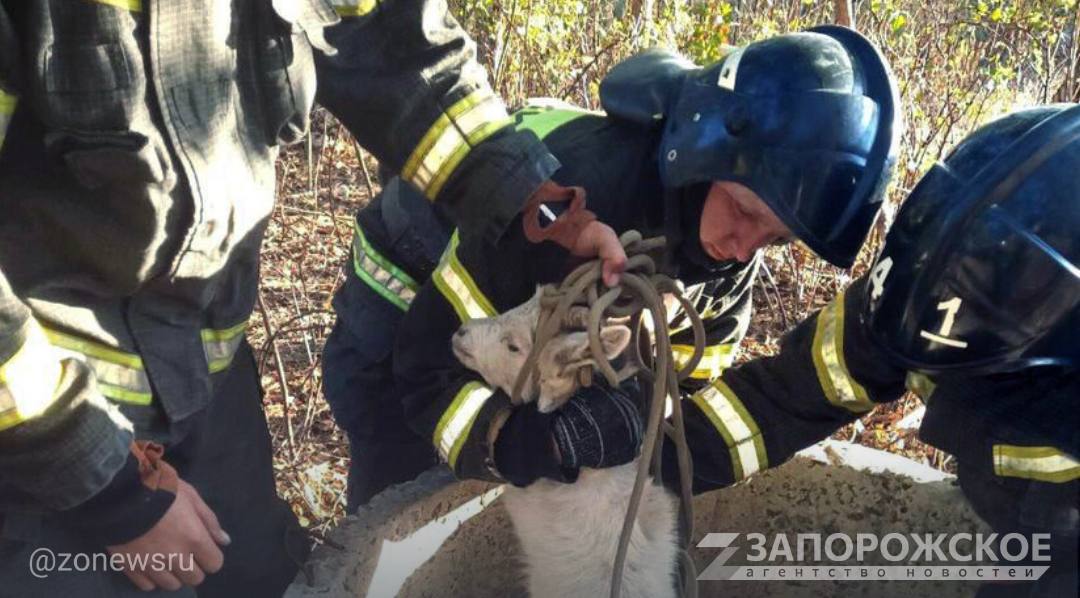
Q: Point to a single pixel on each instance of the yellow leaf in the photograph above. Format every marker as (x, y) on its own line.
(898, 22)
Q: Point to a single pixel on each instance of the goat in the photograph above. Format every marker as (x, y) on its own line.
(569, 533)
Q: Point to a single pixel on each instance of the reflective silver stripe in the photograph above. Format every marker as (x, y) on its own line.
(353, 8)
(28, 379)
(220, 346)
(7, 108)
(379, 273)
(715, 360)
(739, 430)
(457, 420)
(1042, 463)
(468, 122)
(458, 287)
(839, 386)
(120, 376)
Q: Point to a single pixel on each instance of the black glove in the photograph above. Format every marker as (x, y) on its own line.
(598, 427)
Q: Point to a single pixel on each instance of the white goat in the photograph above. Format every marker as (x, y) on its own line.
(569, 533)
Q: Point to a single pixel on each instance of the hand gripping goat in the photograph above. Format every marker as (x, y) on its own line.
(614, 528)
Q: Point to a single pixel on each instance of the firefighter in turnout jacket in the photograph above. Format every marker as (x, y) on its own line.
(789, 137)
(137, 147)
(974, 305)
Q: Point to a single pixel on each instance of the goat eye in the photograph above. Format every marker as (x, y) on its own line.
(513, 348)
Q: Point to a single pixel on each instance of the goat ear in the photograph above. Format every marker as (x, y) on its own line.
(614, 340)
(573, 351)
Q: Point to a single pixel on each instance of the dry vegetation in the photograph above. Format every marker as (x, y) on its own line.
(958, 64)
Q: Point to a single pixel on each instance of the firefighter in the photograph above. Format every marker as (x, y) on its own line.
(789, 137)
(136, 181)
(974, 305)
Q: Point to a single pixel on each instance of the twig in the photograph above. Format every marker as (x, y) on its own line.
(566, 90)
(776, 289)
(364, 169)
(283, 331)
(290, 441)
(844, 14)
(496, 81)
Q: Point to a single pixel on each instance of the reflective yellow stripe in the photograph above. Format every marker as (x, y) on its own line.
(354, 8)
(731, 419)
(379, 273)
(92, 349)
(120, 376)
(457, 421)
(220, 346)
(7, 108)
(132, 5)
(28, 379)
(458, 287)
(467, 123)
(1042, 463)
(920, 384)
(836, 381)
(716, 359)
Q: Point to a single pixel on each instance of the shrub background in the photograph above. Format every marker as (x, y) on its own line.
(958, 65)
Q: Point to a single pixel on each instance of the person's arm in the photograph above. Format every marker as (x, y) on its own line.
(442, 399)
(759, 414)
(473, 427)
(406, 82)
(61, 442)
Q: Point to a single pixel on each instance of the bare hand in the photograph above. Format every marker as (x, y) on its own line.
(599, 240)
(181, 549)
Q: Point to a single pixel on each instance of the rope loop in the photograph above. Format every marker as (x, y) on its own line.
(583, 301)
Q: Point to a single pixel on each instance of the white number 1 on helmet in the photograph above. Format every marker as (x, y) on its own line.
(950, 307)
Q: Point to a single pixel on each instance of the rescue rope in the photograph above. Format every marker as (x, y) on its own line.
(641, 289)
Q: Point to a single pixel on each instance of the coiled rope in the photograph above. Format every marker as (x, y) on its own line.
(641, 288)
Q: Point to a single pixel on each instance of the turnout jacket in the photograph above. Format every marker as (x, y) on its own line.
(1022, 429)
(137, 177)
(616, 162)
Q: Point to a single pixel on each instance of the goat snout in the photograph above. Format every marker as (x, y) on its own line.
(459, 345)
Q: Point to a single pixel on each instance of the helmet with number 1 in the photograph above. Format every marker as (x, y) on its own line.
(980, 273)
(808, 121)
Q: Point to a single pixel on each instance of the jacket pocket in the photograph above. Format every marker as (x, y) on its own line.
(111, 158)
(416, 234)
(90, 87)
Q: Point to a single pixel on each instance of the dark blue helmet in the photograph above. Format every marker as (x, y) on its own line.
(980, 273)
(808, 121)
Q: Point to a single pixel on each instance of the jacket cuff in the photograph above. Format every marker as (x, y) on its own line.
(122, 511)
(525, 450)
(489, 189)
